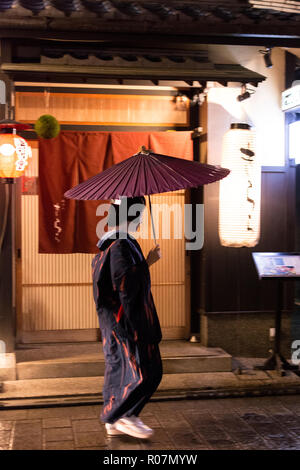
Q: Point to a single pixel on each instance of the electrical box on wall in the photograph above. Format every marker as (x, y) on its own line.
(290, 103)
(2, 92)
(290, 99)
(294, 141)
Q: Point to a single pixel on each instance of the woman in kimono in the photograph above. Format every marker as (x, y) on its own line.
(128, 321)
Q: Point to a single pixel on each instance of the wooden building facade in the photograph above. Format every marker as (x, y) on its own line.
(215, 291)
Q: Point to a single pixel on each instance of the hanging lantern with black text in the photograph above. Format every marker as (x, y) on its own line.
(239, 199)
(14, 151)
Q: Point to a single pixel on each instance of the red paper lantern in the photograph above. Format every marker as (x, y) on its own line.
(14, 152)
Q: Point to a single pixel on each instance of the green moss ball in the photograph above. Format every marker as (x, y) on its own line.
(47, 126)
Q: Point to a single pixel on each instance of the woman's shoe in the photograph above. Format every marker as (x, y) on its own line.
(111, 430)
(134, 427)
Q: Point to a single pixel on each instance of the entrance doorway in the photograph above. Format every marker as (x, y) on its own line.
(55, 290)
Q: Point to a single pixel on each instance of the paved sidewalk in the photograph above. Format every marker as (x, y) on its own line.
(231, 423)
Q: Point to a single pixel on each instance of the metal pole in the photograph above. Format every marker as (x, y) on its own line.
(152, 222)
(7, 311)
(278, 316)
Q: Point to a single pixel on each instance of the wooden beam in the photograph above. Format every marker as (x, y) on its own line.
(270, 33)
(115, 47)
(227, 73)
(290, 67)
(6, 50)
(7, 251)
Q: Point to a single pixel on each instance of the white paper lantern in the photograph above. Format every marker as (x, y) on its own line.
(14, 154)
(239, 200)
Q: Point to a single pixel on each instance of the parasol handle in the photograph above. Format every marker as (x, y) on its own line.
(144, 150)
(152, 222)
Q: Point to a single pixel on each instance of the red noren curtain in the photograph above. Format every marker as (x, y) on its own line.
(69, 226)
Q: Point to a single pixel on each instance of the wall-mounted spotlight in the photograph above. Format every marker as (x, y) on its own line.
(245, 93)
(181, 102)
(267, 57)
(198, 98)
(191, 97)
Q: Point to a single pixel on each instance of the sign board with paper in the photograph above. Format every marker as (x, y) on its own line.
(277, 265)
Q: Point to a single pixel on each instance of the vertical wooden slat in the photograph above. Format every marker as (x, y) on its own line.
(42, 306)
(73, 108)
(18, 244)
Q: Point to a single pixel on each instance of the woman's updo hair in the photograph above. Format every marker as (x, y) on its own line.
(120, 210)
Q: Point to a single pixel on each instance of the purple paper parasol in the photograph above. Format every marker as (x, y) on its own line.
(146, 173)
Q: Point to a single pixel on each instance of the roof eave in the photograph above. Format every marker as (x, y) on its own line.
(220, 72)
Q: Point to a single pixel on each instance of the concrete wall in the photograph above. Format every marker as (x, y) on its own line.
(262, 110)
(245, 334)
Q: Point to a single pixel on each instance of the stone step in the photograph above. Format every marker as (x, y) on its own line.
(78, 360)
(87, 390)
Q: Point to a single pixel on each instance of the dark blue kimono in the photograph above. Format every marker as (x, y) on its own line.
(129, 326)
